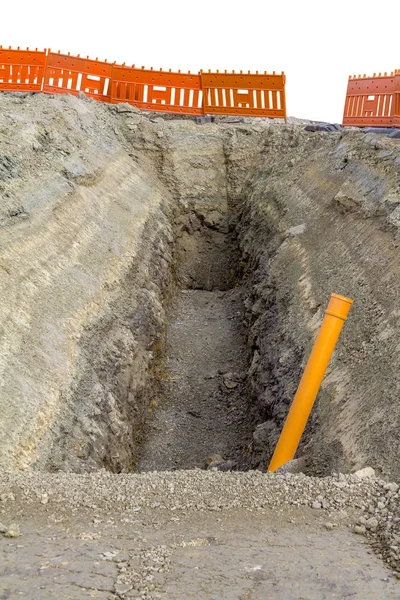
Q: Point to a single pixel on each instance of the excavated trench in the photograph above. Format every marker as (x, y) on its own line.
(165, 382)
(198, 359)
(162, 287)
(200, 410)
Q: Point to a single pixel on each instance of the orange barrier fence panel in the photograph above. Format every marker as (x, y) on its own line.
(396, 100)
(244, 94)
(67, 74)
(147, 89)
(21, 70)
(161, 91)
(370, 101)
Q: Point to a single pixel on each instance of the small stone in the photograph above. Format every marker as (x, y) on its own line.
(123, 107)
(316, 504)
(7, 497)
(109, 555)
(340, 484)
(381, 505)
(231, 380)
(44, 499)
(123, 588)
(213, 458)
(224, 465)
(325, 504)
(360, 529)
(3, 528)
(372, 523)
(392, 487)
(329, 526)
(398, 575)
(294, 466)
(13, 531)
(296, 230)
(364, 473)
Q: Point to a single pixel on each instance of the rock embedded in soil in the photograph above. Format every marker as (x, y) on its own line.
(360, 529)
(13, 531)
(231, 380)
(365, 472)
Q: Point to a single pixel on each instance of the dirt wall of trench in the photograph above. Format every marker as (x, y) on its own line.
(93, 200)
(321, 215)
(85, 250)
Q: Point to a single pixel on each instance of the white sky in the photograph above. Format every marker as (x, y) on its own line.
(316, 43)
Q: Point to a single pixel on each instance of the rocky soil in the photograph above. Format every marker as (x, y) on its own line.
(199, 415)
(105, 212)
(197, 533)
(161, 286)
(321, 215)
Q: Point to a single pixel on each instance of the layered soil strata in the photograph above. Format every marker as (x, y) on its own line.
(321, 215)
(106, 210)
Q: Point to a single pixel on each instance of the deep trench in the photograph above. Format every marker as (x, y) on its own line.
(199, 381)
(184, 386)
(220, 380)
(199, 415)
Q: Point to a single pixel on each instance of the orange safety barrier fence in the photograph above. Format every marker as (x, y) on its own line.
(147, 89)
(396, 100)
(244, 94)
(67, 74)
(373, 101)
(21, 70)
(157, 90)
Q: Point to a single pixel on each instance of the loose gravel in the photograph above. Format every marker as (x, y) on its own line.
(376, 501)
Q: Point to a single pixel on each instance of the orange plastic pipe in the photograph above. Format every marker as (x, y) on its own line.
(335, 316)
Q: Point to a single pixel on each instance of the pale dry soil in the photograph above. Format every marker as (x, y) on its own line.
(89, 196)
(283, 553)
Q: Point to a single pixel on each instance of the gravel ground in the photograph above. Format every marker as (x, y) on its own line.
(201, 411)
(197, 533)
(196, 489)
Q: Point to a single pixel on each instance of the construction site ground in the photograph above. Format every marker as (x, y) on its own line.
(161, 286)
(147, 551)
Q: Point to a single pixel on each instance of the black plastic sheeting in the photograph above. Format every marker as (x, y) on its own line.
(323, 127)
(383, 130)
(389, 131)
